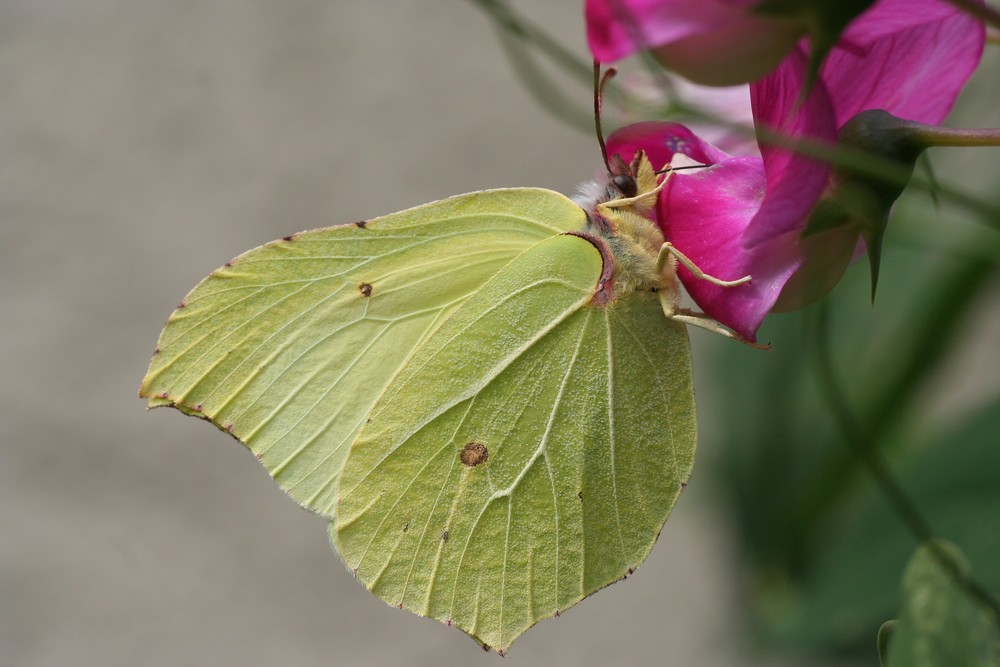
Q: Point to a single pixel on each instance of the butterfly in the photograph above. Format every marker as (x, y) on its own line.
(482, 395)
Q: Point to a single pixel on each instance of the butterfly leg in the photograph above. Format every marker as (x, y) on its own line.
(703, 321)
(667, 250)
(670, 295)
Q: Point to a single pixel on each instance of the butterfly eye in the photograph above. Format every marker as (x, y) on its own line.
(626, 185)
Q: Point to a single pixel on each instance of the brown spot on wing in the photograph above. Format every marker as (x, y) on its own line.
(473, 454)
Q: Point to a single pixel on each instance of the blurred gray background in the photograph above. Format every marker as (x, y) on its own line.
(143, 144)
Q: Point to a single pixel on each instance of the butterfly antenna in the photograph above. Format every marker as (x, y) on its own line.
(668, 168)
(599, 83)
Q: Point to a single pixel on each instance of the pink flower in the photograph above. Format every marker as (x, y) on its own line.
(726, 42)
(745, 215)
(713, 42)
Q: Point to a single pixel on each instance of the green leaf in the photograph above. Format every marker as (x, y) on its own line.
(585, 418)
(882, 641)
(940, 623)
(288, 345)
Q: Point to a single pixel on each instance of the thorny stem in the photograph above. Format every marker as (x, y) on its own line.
(866, 449)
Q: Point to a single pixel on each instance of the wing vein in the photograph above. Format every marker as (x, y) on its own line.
(611, 435)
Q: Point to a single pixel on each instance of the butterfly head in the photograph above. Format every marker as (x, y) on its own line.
(631, 185)
(620, 207)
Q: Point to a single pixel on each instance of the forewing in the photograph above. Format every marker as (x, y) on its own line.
(527, 455)
(288, 346)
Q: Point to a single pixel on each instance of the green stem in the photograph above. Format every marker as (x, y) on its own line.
(866, 450)
(520, 27)
(545, 91)
(880, 168)
(858, 438)
(933, 135)
(882, 642)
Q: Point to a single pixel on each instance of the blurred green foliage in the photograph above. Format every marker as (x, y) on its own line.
(822, 545)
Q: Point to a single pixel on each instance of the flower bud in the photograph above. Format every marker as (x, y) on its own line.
(855, 204)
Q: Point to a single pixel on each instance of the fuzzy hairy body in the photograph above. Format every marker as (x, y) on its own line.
(623, 222)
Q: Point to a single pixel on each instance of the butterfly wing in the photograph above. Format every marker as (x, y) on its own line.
(528, 453)
(288, 346)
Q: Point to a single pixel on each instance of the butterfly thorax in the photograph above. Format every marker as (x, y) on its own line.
(619, 209)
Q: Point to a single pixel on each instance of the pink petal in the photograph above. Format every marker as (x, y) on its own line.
(794, 181)
(705, 215)
(744, 216)
(915, 72)
(714, 42)
(886, 17)
(825, 257)
(618, 28)
(661, 140)
(731, 54)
